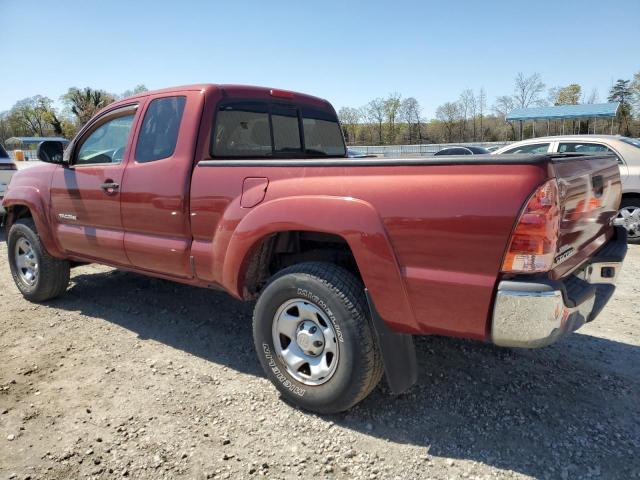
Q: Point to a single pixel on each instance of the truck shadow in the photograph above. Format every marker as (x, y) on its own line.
(571, 406)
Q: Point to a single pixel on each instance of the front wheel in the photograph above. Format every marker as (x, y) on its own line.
(629, 218)
(314, 339)
(38, 275)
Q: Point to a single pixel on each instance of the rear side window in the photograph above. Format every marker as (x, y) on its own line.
(242, 130)
(582, 148)
(534, 148)
(322, 134)
(160, 127)
(253, 129)
(3, 152)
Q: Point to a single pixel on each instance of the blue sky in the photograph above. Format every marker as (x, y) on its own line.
(345, 51)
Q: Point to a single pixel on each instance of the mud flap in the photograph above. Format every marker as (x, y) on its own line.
(398, 353)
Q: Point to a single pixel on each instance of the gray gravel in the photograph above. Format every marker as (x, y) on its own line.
(127, 376)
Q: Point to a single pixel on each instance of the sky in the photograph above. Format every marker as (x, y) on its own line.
(345, 51)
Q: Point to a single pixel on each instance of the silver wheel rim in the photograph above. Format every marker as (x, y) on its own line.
(26, 261)
(305, 341)
(629, 218)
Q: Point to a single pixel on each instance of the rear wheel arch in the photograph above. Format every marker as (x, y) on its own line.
(279, 250)
(355, 222)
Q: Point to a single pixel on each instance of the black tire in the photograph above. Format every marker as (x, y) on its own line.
(53, 274)
(633, 202)
(338, 294)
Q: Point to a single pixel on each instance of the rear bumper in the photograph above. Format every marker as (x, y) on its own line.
(536, 311)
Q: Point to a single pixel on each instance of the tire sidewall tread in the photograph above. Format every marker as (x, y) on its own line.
(53, 273)
(341, 297)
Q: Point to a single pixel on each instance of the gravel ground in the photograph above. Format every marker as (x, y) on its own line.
(127, 376)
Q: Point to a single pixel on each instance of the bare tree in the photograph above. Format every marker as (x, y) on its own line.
(468, 109)
(376, 114)
(410, 113)
(527, 92)
(349, 119)
(482, 105)
(449, 114)
(502, 107)
(594, 97)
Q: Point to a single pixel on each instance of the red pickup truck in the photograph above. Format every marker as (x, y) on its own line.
(250, 190)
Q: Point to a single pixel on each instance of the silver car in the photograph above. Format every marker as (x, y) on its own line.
(7, 169)
(626, 149)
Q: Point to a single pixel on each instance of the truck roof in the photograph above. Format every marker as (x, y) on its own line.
(233, 90)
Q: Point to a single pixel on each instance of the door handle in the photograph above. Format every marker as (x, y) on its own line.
(110, 187)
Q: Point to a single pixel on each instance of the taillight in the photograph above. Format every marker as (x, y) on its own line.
(281, 93)
(8, 166)
(534, 241)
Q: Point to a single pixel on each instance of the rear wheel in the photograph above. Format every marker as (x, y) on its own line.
(314, 339)
(629, 218)
(38, 275)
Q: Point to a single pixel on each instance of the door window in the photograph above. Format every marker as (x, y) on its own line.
(582, 147)
(532, 148)
(106, 144)
(159, 131)
(242, 130)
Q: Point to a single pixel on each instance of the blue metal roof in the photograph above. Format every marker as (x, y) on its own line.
(16, 140)
(565, 111)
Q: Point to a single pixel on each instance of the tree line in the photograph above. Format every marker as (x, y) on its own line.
(384, 120)
(38, 117)
(396, 120)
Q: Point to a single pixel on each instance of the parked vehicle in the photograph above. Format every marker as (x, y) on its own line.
(493, 148)
(462, 151)
(250, 190)
(351, 153)
(7, 169)
(627, 152)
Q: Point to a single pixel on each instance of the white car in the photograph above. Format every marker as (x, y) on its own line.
(7, 169)
(626, 149)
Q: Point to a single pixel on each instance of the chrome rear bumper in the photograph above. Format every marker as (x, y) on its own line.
(537, 312)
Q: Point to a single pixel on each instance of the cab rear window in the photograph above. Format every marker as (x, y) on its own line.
(253, 129)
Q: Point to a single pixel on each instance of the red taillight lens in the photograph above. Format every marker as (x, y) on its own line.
(534, 241)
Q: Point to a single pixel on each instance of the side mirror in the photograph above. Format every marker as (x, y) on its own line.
(51, 151)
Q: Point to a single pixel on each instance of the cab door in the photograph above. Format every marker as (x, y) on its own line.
(155, 188)
(85, 195)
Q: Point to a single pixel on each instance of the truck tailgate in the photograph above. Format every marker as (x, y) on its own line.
(590, 191)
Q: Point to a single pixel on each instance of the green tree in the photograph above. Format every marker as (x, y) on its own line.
(32, 115)
(621, 92)
(85, 103)
(391, 108)
(569, 95)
